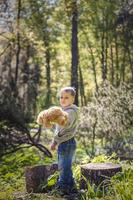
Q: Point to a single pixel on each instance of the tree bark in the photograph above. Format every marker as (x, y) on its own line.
(93, 66)
(48, 69)
(74, 50)
(82, 91)
(93, 138)
(98, 174)
(130, 62)
(112, 64)
(103, 63)
(36, 177)
(18, 42)
(117, 61)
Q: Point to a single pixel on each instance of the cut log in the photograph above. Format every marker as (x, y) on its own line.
(98, 173)
(37, 176)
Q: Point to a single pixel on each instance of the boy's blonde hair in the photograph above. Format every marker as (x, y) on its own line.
(69, 89)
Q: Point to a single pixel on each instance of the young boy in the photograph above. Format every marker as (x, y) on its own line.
(64, 138)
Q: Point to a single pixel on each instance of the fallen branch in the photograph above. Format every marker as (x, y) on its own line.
(13, 139)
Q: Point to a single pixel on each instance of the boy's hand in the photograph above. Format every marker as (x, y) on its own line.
(53, 146)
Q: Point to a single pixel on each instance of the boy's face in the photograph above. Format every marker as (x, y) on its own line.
(66, 99)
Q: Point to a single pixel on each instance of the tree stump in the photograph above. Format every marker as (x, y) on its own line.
(37, 176)
(98, 174)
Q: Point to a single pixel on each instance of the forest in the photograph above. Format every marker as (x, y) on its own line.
(46, 45)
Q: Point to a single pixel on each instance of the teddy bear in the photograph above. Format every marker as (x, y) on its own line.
(53, 115)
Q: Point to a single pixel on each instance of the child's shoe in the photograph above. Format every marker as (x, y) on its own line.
(74, 189)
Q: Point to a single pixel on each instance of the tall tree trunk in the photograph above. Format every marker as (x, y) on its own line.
(126, 45)
(93, 66)
(112, 64)
(17, 42)
(10, 77)
(103, 63)
(81, 85)
(48, 71)
(130, 61)
(122, 72)
(93, 139)
(92, 60)
(117, 61)
(74, 50)
(106, 45)
(27, 89)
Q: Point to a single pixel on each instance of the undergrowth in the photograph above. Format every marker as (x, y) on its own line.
(12, 177)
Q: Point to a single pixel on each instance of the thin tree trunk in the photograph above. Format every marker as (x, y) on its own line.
(94, 68)
(26, 81)
(18, 47)
(74, 50)
(106, 46)
(117, 60)
(48, 71)
(112, 65)
(92, 61)
(130, 61)
(93, 138)
(103, 63)
(127, 50)
(82, 92)
(122, 73)
(10, 78)
(48, 74)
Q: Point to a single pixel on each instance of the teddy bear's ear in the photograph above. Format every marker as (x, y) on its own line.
(39, 120)
(40, 117)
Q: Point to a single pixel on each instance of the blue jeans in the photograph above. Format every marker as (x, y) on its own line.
(66, 151)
